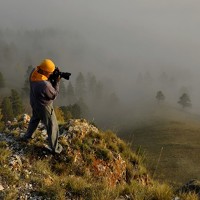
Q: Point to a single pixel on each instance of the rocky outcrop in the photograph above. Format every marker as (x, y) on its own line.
(90, 152)
(192, 186)
(86, 145)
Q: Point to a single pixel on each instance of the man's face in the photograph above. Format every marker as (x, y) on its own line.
(47, 74)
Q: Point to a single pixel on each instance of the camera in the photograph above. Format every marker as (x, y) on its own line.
(54, 77)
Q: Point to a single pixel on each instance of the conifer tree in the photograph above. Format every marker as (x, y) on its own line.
(99, 91)
(113, 100)
(26, 87)
(84, 108)
(6, 109)
(71, 111)
(16, 102)
(80, 86)
(70, 93)
(63, 92)
(91, 84)
(2, 82)
(160, 96)
(184, 100)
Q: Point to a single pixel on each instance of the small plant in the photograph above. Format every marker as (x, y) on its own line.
(9, 194)
(2, 126)
(160, 192)
(4, 152)
(59, 114)
(103, 154)
(8, 176)
(189, 196)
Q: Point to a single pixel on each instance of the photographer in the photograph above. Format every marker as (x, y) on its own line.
(42, 94)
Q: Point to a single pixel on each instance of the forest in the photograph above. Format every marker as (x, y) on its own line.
(105, 98)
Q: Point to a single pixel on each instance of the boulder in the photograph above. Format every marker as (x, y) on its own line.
(192, 186)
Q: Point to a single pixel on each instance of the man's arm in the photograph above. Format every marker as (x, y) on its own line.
(52, 92)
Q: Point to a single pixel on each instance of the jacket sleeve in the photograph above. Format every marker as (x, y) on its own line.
(50, 91)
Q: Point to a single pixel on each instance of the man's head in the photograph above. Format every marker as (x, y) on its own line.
(46, 67)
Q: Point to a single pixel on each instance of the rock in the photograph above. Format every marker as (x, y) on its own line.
(16, 163)
(8, 123)
(113, 169)
(1, 187)
(26, 118)
(191, 186)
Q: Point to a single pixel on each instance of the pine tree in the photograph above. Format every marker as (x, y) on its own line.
(80, 86)
(184, 100)
(84, 108)
(70, 94)
(2, 82)
(16, 101)
(99, 91)
(26, 88)
(160, 96)
(71, 111)
(62, 89)
(91, 84)
(113, 101)
(6, 109)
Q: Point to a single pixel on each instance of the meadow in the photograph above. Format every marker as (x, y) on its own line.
(169, 139)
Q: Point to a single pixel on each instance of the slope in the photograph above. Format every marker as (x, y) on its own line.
(171, 140)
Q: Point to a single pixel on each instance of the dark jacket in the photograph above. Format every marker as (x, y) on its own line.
(42, 93)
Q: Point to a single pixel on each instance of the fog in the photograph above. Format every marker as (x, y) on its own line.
(136, 47)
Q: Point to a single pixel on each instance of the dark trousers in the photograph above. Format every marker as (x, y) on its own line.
(47, 116)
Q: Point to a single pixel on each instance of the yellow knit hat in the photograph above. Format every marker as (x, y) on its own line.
(47, 65)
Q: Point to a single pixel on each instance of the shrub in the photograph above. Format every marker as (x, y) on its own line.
(59, 114)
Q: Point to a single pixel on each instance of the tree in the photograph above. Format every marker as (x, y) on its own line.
(148, 78)
(26, 88)
(80, 86)
(113, 101)
(16, 102)
(70, 93)
(62, 89)
(184, 100)
(2, 82)
(59, 114)
(99, 91)
(91, 85)
(6, 109)
(84, 108)
(71, 111)
(160, 96)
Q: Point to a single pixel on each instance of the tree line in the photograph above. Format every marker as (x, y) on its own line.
(78, 99)
(85, 97)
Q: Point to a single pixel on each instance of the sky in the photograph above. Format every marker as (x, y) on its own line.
(119, 39)
(147, 32)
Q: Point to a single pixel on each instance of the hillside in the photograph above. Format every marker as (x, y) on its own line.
(93, 165)
(170, 138)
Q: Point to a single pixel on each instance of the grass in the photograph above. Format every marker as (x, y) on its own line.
(47, 177)
(189, 196)
(177, 134)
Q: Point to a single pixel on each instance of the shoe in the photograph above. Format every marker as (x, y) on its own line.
(48, 148)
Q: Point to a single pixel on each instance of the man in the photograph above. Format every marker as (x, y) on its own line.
(42, 94)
